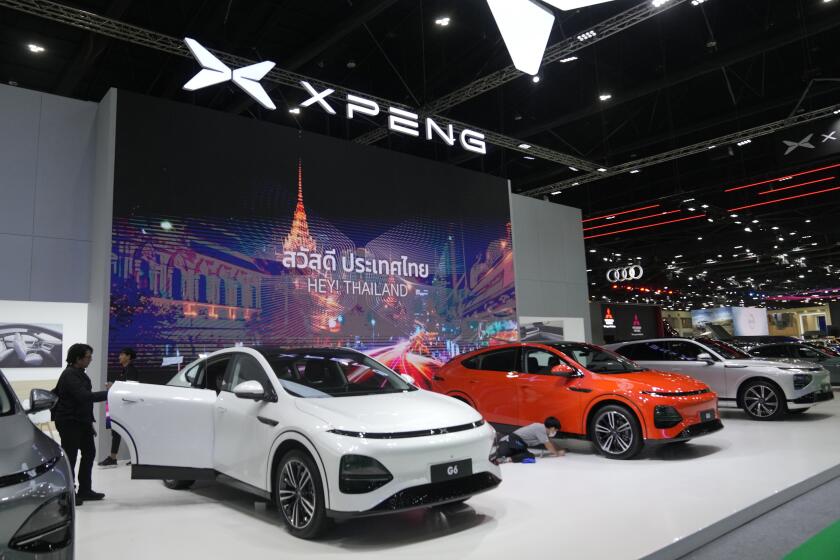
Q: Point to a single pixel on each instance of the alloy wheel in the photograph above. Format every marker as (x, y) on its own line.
(614, 433)
(761, 401)
(297, 494)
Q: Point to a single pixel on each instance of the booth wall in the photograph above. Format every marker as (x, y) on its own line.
(47, 157)
(549, 260)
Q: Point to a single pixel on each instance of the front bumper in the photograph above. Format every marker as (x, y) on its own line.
(815, 397)
(427, 495)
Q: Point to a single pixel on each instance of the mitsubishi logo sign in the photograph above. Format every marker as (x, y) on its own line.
(214, 71)
(634, 272)
(525, 26)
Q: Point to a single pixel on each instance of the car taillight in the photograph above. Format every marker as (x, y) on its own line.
(49, 528)
(666, 417)
(360, 474)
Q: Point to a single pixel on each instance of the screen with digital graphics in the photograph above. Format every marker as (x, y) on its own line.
(232, 231)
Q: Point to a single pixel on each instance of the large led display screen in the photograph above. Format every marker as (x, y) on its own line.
(232, 231)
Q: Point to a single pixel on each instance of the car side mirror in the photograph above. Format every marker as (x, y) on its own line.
(705, 357)
(252, 390)
(40, 400)
(564, 370)
(408, 379)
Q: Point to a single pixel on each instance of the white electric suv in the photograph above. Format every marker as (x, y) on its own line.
(765, 389)
(324, 433)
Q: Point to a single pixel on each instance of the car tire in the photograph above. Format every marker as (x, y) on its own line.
(799, 411)
(178, 484)
(763, 400)
(299, 495)
(616, 432)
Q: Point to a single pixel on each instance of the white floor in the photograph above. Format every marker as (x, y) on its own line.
(580, 506)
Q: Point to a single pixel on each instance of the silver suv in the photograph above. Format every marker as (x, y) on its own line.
(36, 484)
(765, 389)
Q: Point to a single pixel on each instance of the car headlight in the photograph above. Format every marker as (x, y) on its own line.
(360, 474)
(666, 417)
(801, 380)
(48, 529)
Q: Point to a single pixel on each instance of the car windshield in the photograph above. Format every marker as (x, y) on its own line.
(597, 359)
(726, 350)
(6, 399)
(324, 375)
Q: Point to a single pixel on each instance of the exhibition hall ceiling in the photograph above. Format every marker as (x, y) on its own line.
(649, 81)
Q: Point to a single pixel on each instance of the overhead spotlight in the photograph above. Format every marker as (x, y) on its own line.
(556, 193)
(536, 79)
(837, 112)
(745, 142)
(529, 157)
(733, 215)
(166, 225)
(748, 229)
(568, 59)
(295, 110)
(37, 49)
(605, 96)
(576, 169)
(443, 22)
(697, 2)
(351, 64)
(633, 172)
(658, 3)
(575, 184)
(524, 146)
(587, 35)
(602, 170)
(691, 208)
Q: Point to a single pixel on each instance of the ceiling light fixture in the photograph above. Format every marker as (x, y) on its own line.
(555, 193)
(536, 79)
(647, 226)
(524, 146)
(573, 168)
(783, 178)
(774, 201)
(622, 212)
(587, 35)
(798, 185)
(605, 96)
(443, 22)
(568, 59)
(631, 220)
(745, 142)
(37, 49)
(295, 111)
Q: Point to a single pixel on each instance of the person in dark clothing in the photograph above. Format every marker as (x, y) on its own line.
(128, 373)
(515, 446)
(73, 415)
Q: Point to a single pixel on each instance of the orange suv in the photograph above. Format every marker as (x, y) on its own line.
(596, 394)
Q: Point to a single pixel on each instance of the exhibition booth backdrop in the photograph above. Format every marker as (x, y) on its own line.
(617, 322)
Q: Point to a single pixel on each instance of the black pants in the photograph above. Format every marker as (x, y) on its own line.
(75, 438)
(514, 447)
(115, 442)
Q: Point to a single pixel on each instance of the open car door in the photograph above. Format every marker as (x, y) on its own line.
(168, 428)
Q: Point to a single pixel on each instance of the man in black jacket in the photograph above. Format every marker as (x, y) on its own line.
(73, 415)
(128, 373)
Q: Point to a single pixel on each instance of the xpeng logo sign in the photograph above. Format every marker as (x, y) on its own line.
(214, 71)
(525, 26)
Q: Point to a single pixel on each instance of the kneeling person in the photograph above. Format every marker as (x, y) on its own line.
(515, 446)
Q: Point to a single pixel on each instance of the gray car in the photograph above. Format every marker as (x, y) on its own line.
(825, 357)
(37, 501)
(765, 389)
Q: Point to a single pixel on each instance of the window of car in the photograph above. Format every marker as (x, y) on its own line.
(215, 378)
(806, 353)
(322, 375)
(189, 376)
(472, 363)
(645, 351)
(725, 349)
(776, 351)
(597, 359)
(499, 360)
(247, 368)
(7, 405)
(540, 361)
(683, 350)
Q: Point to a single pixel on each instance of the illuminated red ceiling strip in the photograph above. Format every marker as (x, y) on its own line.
(632, 220)
(798, 185)
(775, 200)
(647, 226)
(622, 212)
(782, 177)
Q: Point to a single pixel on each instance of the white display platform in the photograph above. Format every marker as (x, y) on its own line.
(579, 506)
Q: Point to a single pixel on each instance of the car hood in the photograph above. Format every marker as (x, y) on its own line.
(396, 412)
(660, 381)
(774, 363)
(23, 446)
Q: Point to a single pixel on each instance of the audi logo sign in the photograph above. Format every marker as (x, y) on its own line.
(627, 273)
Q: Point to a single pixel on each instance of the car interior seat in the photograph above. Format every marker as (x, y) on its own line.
(22, 353)
(533, 365)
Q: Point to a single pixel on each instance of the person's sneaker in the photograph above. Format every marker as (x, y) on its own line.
(90, 496)
(108, 462)
(79, 500)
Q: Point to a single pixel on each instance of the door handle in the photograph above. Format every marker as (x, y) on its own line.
(132, 399)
